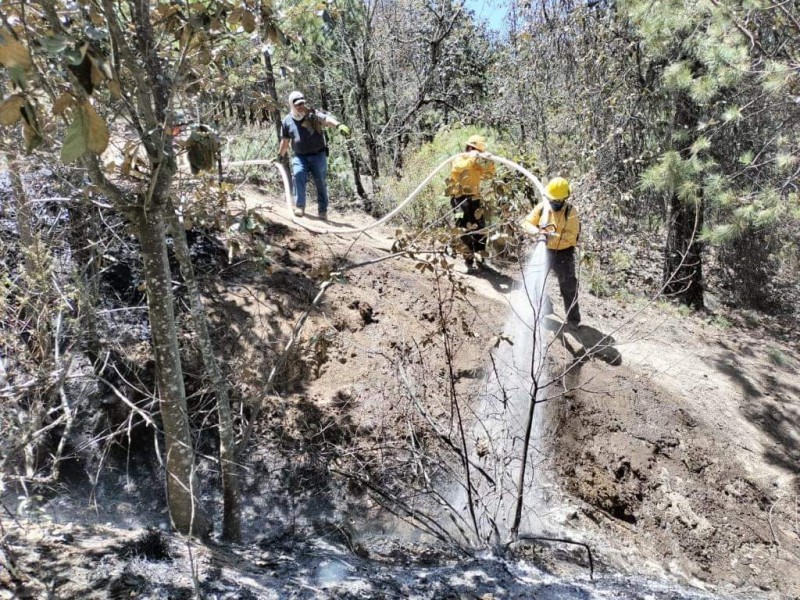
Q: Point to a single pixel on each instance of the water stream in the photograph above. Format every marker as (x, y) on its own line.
(497, 439)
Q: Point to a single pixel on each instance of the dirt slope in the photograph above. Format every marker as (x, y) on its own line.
(677, 445)
(688, 451)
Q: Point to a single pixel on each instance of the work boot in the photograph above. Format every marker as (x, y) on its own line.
(299, 212)
(323, 215)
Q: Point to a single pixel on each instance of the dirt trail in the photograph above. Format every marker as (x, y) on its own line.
(688, 452)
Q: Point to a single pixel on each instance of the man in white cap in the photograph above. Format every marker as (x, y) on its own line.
(304, 129)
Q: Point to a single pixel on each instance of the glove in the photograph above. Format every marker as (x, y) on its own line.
(344, 130)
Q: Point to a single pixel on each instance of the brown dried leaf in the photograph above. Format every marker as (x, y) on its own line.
(96, 129)
(11, 110)
(62, 103)
(235, 16)
(165, 11)
(31, 137)
(115, 88)
(95, 17)
(248, 21)
(13, 54)
(96, 75)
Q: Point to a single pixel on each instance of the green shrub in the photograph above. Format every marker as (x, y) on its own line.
(621, 260)
(777, 357)
(507, 197)
(721, 322)
(598, 284)
(250, 143)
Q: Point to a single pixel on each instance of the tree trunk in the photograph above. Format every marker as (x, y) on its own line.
(372, 144)
(183, 489)
(362, 110)
(232, 515)
(384, 94)
(84, 224)
(269, 84)
(27, 239)
(355, 163)
(683, 268)
(683, 264)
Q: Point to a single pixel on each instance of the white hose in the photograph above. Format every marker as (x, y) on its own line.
(399, 207)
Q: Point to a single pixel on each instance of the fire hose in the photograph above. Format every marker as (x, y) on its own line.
(348, 231)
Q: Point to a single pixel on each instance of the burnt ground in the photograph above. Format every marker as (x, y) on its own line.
(674, 443)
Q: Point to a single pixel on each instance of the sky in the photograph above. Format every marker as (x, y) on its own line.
(493, 12)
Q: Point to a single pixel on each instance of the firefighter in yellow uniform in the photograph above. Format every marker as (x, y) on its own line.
(556, 222)
(464, 188)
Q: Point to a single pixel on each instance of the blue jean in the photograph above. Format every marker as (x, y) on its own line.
(317, 165)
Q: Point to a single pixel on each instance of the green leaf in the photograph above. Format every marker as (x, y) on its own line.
(700, 144)
(776, 76)
(703, 89)
(785, 162)
(75, 142)
(96, 34)
(55, 44)
(17, 75)
(74, 56)
(678, 76)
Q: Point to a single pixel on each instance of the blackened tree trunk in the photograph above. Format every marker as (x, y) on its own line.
(683, 264)
(269, 84)
(355, 163)
(362, 75)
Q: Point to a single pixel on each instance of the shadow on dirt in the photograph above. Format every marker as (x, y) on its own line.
(585, 342)
(771, 403)
(498, 280)
(330, 222)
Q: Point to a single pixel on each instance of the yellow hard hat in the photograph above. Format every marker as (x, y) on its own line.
(478, 142)
(557, 189)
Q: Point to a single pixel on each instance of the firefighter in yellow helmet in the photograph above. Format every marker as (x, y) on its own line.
(464, 188)
(555, 222)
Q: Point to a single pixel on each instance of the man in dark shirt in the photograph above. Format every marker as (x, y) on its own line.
(304, 129)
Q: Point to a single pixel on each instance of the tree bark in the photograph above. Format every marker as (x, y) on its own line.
(355, 163)
(362, 107)
(27, 238)
(269, 84)
(232, 515)
(183, 489)
(683, 264)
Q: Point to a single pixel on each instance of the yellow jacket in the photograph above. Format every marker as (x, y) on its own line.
(563, 227)
(466, 174)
